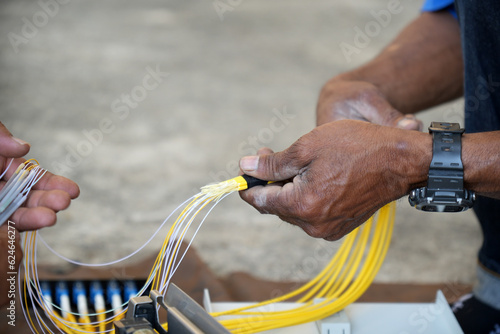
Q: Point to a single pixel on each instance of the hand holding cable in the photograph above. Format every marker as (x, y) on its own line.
(51, 194)
(341, 173)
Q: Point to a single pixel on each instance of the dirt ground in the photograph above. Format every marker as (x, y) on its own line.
(143, 102)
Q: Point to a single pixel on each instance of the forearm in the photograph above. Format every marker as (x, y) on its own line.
(481, 160)
(421, 68)
(412, 153)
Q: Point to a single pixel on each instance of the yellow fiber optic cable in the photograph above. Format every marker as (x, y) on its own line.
(339, 296)
(343, 280)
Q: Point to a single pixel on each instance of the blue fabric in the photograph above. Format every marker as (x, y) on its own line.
(487, 287)
(480, 30)
(435, 5)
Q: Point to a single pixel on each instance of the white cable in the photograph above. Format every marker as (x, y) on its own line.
(7, 168)
(114, 261)
(15, 191)
(194, 235)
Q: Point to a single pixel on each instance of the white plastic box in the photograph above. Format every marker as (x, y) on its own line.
(368, 318)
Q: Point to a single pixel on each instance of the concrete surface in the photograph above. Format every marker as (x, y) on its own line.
(143, 102)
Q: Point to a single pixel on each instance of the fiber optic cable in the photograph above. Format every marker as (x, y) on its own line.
(129, 290)
(114, 297)
(62, 298)
(46, 294)
(6, 168)
(80, 299)
(16, 189)
(97, 296)
(340, 283)
(337, 300)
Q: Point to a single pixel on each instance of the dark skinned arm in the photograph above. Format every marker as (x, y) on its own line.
(421, 68)
(336, 176)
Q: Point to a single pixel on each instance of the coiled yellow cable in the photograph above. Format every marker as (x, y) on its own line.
(341, 282)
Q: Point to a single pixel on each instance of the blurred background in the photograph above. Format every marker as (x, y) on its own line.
(143, 102)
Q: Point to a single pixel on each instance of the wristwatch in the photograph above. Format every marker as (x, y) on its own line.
(445, 187)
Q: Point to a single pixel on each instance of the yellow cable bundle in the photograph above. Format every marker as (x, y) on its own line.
(341, 282)
(336, 284)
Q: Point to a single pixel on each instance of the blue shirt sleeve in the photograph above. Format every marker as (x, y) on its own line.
(435, 5)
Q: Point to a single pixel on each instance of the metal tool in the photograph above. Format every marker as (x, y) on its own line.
(184, 315)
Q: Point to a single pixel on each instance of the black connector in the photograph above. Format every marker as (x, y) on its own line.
(253, 181)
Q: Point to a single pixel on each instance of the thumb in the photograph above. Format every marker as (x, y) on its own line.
(270, 167)
(393, 118)
(381, 112)
(408, 122)
(11, 147)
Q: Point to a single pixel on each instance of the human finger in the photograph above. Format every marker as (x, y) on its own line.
(56, 199)
(33, 218)
(56, 182)
(11, 147)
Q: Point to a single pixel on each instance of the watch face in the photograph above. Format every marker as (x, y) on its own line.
(422, 200)
(443, 208)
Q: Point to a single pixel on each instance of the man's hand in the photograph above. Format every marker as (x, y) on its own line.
(335, 177)
(338, 175)
(50, 195)
(344, 99)
(421, 68)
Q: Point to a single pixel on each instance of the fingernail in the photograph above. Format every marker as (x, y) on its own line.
(249, 164)
(407, 122)
(20, 141)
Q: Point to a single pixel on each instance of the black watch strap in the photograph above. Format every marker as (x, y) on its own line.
(445, 185)
(446, 170)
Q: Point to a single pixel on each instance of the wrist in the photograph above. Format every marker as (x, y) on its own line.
(481, 162)
(471, 143)
(413, 155)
